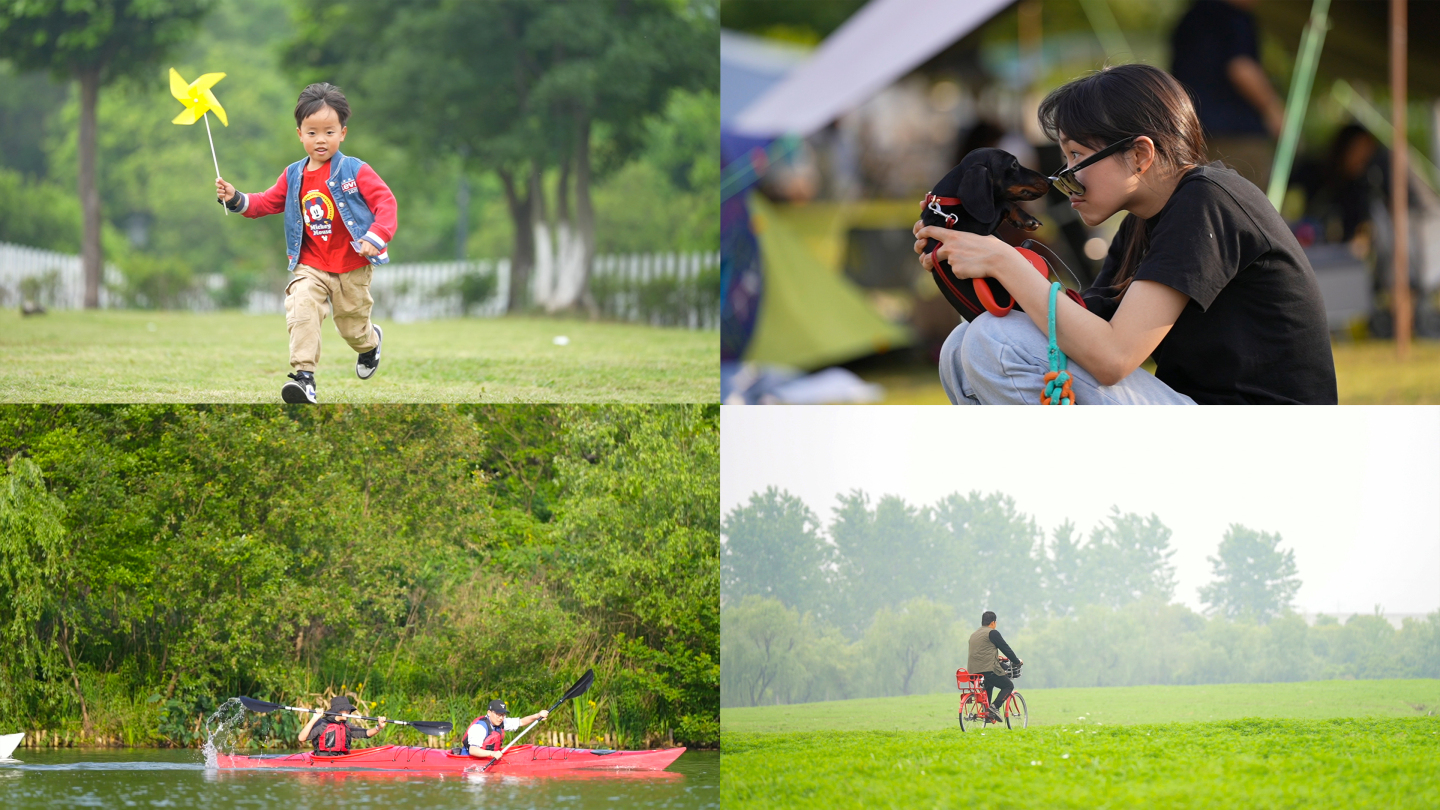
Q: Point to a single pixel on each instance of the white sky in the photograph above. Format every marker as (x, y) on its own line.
(1354, 491)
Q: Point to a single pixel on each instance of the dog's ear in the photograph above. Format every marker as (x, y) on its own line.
(977, 194)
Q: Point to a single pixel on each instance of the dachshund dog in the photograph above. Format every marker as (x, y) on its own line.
(976, 196)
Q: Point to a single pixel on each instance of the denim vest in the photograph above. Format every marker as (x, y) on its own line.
(350, 206)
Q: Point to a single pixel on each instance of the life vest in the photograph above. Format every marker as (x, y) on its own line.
(334, 739)
(494, 737)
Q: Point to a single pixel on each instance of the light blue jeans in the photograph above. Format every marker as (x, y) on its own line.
(1003, 361)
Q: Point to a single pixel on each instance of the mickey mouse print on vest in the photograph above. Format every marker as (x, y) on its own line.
(319, 214)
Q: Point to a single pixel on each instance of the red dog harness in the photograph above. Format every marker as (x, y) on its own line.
(985, 293)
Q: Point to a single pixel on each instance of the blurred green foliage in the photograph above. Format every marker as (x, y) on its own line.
(156, 179)
(774, 654)
(882, 601)
(158, 560)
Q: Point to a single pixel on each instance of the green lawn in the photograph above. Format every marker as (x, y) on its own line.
(1346, 763)
(1121, 705)
(1366, 373)
(130, 356)
(1340, 744)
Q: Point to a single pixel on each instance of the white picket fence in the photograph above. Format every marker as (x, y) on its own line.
(416, 291)
(661, 289)
(56, 279)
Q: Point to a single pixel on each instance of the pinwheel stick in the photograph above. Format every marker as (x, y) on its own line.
(212, 155)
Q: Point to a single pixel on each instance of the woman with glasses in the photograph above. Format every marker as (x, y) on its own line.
(1203, 274)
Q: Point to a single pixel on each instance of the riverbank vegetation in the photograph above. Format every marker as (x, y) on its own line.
(159, 560)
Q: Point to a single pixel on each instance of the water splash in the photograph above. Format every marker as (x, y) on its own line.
(220, 731)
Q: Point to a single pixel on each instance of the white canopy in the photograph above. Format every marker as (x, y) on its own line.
(882, 42)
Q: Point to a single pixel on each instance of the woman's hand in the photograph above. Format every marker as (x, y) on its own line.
(970, 255)
(920, 243)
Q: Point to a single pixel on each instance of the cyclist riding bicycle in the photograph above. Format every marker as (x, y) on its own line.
(986, 644)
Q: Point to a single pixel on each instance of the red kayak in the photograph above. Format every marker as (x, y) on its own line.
(522, 760)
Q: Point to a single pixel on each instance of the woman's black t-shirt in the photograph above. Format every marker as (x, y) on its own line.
(1254, 330)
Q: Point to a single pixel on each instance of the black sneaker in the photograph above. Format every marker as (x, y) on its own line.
(301, 391)
(367, 363)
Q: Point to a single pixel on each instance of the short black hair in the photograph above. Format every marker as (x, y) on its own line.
(986, 618)
(321, 94)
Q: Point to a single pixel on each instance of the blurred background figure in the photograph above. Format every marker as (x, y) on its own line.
(1217, 57)
(1340, 189)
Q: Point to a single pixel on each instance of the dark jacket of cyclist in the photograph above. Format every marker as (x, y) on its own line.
(986, 644)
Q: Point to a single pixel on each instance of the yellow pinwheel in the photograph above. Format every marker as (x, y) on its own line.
(196, 97)
(198, 101)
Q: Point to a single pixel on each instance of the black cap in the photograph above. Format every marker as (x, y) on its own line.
(341, 705)
(498, 706)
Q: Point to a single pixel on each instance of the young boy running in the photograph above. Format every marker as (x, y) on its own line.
(329, 263)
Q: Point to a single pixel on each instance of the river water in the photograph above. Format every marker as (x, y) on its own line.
(147, 777)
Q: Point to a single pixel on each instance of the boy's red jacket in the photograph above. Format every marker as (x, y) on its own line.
(377, 195)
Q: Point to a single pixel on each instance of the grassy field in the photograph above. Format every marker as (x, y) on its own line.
(1347, 763)
(1122, 705)
(1366, 373)
(129, 356)
(1302, 745)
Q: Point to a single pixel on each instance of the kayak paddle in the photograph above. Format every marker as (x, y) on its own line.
(433, 728)
(581, 687)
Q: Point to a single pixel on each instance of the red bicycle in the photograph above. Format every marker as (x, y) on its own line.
(975, 701)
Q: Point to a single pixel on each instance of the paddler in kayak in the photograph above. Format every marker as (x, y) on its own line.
(487, 733)
(331, 734)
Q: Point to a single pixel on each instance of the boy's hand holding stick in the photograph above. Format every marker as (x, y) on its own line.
(224, 192)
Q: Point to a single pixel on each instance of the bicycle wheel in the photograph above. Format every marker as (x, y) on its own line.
(967, 711)
(1016, 715)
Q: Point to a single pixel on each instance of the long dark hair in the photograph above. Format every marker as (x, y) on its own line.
(1115, 103)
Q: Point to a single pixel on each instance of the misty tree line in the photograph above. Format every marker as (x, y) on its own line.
(882, 600)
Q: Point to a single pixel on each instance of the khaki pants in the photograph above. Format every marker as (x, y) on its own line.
(1252, 156)
(310, 295)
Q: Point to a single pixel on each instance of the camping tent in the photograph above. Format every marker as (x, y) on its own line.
(811, 315)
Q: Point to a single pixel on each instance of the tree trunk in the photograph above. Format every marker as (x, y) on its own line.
(74, 675)
(462, 208)
(523, 256)
(543, 291)
(581, 250)
(91, 257)
(564, 239)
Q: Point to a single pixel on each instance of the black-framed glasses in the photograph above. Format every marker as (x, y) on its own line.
(1067, 183)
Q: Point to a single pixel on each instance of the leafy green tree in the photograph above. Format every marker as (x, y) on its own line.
(1367, 647)
(1254, 579)
(903, 644)
(1420, 647)
(773, 547)
(94, 42)
(760, 639)
(882, 553)
(35, 565)
(1002, 559)
(1128, 559)
(641, 529)
(1063, 571)
(520, 88)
